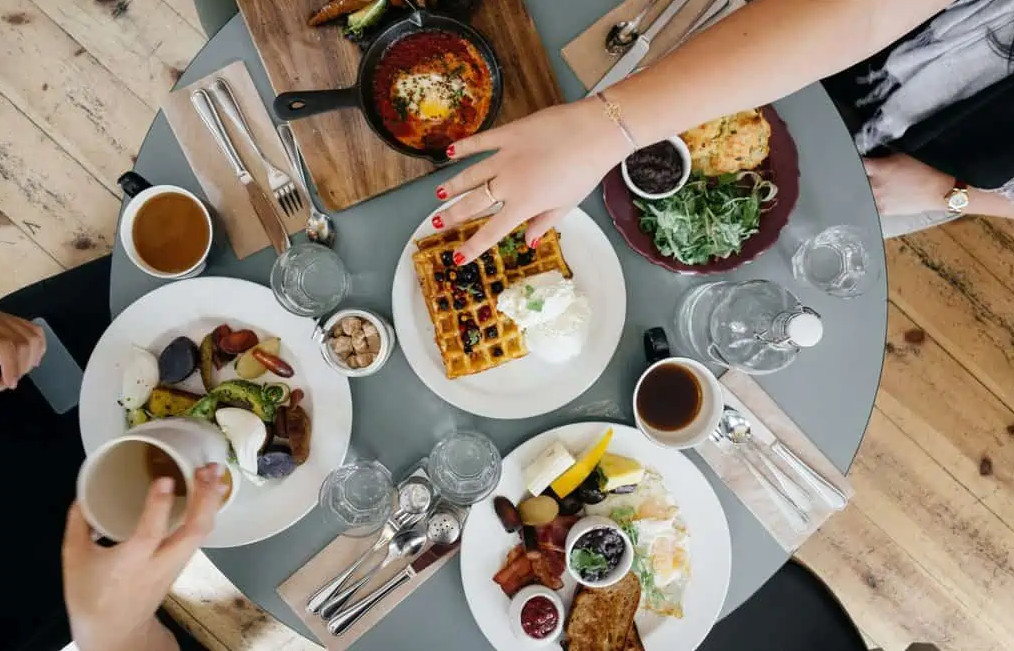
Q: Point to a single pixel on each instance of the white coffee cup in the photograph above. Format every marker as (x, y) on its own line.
(707, 418)
(141, 192)
(113, 482)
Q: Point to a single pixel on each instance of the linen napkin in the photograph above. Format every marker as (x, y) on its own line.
(587, 56)
(223, 191)
(768, 421)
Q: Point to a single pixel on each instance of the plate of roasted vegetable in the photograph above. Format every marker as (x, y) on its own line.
(628, 546)
(223, 351)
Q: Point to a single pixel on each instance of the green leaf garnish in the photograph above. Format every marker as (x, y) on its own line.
(584, 560)
(536, 304)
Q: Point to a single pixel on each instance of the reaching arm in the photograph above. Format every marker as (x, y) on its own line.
(760, 53)
(548, 162)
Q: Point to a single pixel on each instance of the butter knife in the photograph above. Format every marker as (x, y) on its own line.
(628, 62)
(704, 21)
(262, 205)
(344, 620)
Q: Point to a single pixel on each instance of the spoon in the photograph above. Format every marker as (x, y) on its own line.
(319, 227)
(403, 545)
(625, 32)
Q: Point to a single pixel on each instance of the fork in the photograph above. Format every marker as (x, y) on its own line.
(399, 520)
(285, 191)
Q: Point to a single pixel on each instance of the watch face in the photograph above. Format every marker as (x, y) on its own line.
(957, 201)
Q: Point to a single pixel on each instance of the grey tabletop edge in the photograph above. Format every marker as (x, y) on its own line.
(829, 392)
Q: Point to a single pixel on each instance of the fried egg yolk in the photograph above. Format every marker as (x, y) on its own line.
(429, 96)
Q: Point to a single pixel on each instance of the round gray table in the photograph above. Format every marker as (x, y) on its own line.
(828, 391)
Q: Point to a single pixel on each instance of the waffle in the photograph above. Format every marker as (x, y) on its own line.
(471, 334)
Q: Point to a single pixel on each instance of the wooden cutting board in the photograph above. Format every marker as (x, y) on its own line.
(348, 162)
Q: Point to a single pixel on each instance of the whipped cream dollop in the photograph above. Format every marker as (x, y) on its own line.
(551, 311)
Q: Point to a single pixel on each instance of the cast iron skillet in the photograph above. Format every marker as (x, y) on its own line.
(301, 104)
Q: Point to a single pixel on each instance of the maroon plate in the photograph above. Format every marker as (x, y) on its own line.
(781, 167)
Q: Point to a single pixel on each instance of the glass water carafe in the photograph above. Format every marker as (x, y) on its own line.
(756, 326)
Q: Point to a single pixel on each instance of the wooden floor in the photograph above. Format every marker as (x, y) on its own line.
(923, 553)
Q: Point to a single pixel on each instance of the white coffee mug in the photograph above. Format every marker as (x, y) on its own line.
(706, 420)
(141, 192)
(113, 482)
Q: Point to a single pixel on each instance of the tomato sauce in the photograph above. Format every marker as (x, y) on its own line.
(432, 88)
(539, 617)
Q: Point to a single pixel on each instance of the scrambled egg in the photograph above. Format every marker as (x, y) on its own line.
(729, 144)
(430, 95)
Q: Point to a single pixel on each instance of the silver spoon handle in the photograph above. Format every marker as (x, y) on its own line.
(827, 491)
(796, 517)
(346, 618)
(335, 603)
(793, 490)
(319, 598)
(292, 153)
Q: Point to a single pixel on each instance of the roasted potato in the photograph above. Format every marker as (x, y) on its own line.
(166, 402)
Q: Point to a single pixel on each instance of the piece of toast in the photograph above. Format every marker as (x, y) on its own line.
(633, 640)
(602, 619)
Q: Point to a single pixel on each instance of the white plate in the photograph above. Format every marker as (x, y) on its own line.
(527, 386)
(485, 544)
(193, 308)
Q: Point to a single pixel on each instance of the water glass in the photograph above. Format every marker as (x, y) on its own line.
(464, 467)
(360, 496)
(309, 279)
(836, 262)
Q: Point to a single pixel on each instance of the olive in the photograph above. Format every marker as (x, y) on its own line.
(508, 514)
(588, 492)
(538, 510)
(570, 505)
(178, 360)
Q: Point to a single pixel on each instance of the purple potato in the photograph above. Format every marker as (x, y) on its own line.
(275, 464)
(178, 360)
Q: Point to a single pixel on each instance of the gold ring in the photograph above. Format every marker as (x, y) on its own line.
(489, 193)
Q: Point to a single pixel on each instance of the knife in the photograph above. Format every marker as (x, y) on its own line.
(628, 62)
(346, 618)
(704, 21)
(263, 207)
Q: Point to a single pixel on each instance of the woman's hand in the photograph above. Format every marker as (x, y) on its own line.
(112, 593)
(544, 165)
(904, 186)
(22, 346)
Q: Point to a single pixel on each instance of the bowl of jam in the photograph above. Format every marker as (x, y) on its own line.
(598, 552)
(536, 614)
(659, 170)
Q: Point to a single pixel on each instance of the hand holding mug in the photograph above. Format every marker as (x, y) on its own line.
(112, 592)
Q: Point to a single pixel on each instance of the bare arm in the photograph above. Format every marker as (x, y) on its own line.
(991, 204)
(760, 53)
(550, 161)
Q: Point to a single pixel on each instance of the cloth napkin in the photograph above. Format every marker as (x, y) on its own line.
(223, 191)
(768, 422)
(587, 56)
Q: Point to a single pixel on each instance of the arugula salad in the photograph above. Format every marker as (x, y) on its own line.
(710, 217)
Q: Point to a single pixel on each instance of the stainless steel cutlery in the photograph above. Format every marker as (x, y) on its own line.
(319, 227)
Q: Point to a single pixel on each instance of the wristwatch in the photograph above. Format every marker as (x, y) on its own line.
(957, 198)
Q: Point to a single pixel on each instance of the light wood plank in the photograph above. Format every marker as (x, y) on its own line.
(83, 107)
(146, 45)
(886, 592)
(959, 303)
(187, 10)
(990, 240)
(51, 197)
(946, 411)
(198, 630)
(22, 261)
(235, 622)
(939, 523)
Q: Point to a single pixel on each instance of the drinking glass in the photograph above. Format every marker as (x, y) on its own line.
(360, 496)
(464, 467)
(309, 279)
(836, 262)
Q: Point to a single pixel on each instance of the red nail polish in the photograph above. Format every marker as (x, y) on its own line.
(535, 243)
(441, 193)
(459, 258)
(438, 222)
(450, 151)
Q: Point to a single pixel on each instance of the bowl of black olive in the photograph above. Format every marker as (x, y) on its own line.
(658, 170)
(598, 552)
